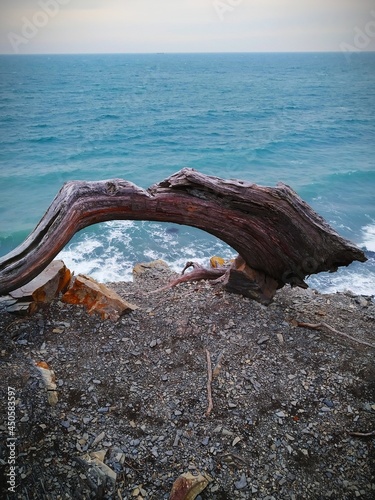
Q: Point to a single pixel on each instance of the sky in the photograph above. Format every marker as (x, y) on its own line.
(132, 26)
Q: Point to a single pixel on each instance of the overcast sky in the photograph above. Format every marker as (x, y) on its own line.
(97, 26)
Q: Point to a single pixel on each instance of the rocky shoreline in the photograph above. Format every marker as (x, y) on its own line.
(293, 408)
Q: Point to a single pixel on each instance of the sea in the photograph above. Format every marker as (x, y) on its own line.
(305, 119)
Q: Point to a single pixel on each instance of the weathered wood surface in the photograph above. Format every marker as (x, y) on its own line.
(276, 233)
(28, 299)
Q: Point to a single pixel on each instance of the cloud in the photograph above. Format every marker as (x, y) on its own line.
(186, 25)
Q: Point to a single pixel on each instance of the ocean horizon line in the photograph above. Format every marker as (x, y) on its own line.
(312, 52)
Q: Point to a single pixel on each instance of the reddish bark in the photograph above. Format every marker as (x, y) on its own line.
(279, 237)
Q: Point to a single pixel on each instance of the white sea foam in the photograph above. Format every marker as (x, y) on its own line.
(110, 252)
(358, 278)
(369, 237)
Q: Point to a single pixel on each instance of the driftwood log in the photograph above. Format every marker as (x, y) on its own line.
(279, 237)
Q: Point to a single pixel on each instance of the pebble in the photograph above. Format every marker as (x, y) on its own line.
(98, 438)
(154, 451)
(263, 340)
(242, 483)
(280, 414)
(280, 338)
(226, 432)
(177, 438)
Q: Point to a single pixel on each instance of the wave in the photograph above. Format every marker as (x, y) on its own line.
(109, 251)
(43, 140)
(369, 237)
(108, 116)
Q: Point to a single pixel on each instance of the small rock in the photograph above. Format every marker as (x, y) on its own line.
(236, 440)
(280, 414)
(149, 267)
(226, 432)
(242, 483)
(98, 438)
(263, 340)
(361, 301)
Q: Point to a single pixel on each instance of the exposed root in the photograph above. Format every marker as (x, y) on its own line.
(199, 273)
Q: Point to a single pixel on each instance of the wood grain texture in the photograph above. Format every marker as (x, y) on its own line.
(272, 228)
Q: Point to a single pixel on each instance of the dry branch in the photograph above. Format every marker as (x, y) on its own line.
(209, 384)
(278, 236)
(362, 434)
(321, 326)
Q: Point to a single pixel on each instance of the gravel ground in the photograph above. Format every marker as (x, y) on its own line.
(285, 399)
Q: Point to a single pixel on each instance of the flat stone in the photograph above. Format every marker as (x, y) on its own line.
(144, 267)
(242, 483)
(97, 298)
(263, 340)
(226, 432)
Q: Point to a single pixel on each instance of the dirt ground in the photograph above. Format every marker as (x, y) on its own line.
(293, 408)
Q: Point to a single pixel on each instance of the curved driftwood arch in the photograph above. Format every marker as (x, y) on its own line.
(279, 237)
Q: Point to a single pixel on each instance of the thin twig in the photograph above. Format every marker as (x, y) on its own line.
(209, 383)
(232, 455)
(320, 326)
(362, 434)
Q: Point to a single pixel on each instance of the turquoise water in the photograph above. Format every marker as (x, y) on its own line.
(303, 119)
